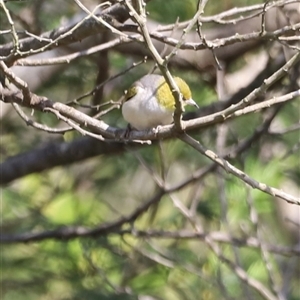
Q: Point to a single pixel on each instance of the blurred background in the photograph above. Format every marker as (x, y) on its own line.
(159, 254)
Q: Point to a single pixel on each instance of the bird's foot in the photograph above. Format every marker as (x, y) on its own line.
(126, 134)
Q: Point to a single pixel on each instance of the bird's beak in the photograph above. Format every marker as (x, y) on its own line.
(191, 102)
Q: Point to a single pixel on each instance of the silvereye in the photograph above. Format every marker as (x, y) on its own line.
(150, 102)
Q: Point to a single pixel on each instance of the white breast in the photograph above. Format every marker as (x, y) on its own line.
(143, 112)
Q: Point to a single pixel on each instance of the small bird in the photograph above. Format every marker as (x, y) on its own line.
(149, 102)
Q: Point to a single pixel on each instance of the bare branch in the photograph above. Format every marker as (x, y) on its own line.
(238, 173)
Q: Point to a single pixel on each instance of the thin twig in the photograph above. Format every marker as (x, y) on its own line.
(238, 173)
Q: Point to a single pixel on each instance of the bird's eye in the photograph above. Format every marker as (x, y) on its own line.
(130, 93)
